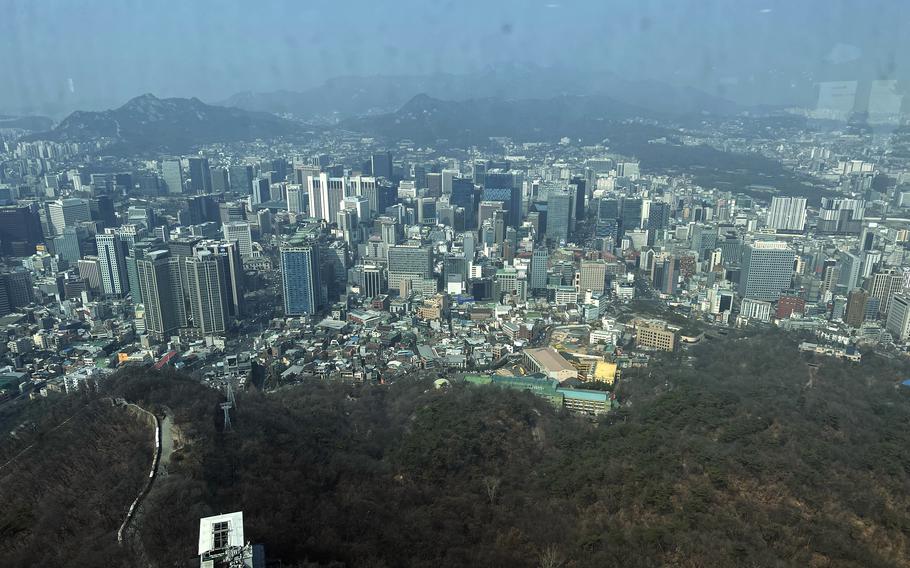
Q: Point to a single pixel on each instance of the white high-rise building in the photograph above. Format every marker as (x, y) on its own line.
(325, 196)
(766, 270)
(297, 199)
(112, 264)
(207, 295)
(787, 213)
(67, 212)
(239, 231)
(898, 322)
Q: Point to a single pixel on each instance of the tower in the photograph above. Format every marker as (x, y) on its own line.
(300, 279)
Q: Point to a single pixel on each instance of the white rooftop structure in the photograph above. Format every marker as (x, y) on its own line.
(220, 531)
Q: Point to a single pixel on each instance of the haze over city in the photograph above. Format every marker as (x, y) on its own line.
(553, 284)
(65, 56)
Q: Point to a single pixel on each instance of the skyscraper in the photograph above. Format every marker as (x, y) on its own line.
(559, 216)
(20, 230)
(463, 196)
(630, 215)
(898, 322)
(239, 232)
(787, 213)
(112, 264)
(297, 199)
(592, 275)
(767, 270)
(208, 299)
(157, 293)
(325, 195)
(578, 186)
(260, 190)
(502, 186)
(68, 245)
(381, 164)
(300, 279)
(856, 307)
(885, 285)
(408, 262)
(234, 279)
(67, 212)
(241, 177)
(200, 175)
(538, 275)
(172, 175)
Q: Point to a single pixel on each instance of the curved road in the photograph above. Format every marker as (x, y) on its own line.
(164, 446)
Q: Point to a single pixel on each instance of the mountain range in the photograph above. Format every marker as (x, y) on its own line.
(30, 123)
(351, 96)
(148, 124)
(425, 119)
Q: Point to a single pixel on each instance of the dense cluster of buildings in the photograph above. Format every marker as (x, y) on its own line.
(370, 262)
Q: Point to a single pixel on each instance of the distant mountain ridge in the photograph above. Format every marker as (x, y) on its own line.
(351, 96)
(32, 123)
(149, 124)
(425, 119)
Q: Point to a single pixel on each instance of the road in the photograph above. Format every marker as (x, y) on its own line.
(164, 447)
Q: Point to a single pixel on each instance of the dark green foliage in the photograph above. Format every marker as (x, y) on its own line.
(730, 459)
(70, 483)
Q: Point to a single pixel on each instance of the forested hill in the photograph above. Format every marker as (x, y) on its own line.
(736, 457)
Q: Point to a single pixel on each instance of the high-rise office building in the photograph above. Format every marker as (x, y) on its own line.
(658, 219)
(767, 270)
(158, 293)
(388, 231)
(592, 275)
(297, 199)
(486, 209)
(787, 213)
(539, 259)
(260, 190)
(200, 175)
(68, 246)
(112, 264)
(379, 193)
(373, 281)
(434, 184)
(325, 195)
(462, 195)
(220, 180)
(884, 286)
(300, 280)
(381, 164)
(359, 205)
(241, 178)
(504, 187)
(20, 229)
(208, 298)
(559, 216)
(16, 286)
(234, 279)
(409, 262)
(67, 213)
(239, 232)
(856, 307)
(850, 267)
(172, 176)
(578, 187)
(630, 215)
(898, 322)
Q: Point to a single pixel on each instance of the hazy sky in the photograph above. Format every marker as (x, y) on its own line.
(57, 55)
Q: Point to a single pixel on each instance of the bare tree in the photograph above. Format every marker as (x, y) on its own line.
(492, 485)
(550, 557)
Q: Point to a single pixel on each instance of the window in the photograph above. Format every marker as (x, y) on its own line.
(220, 535)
